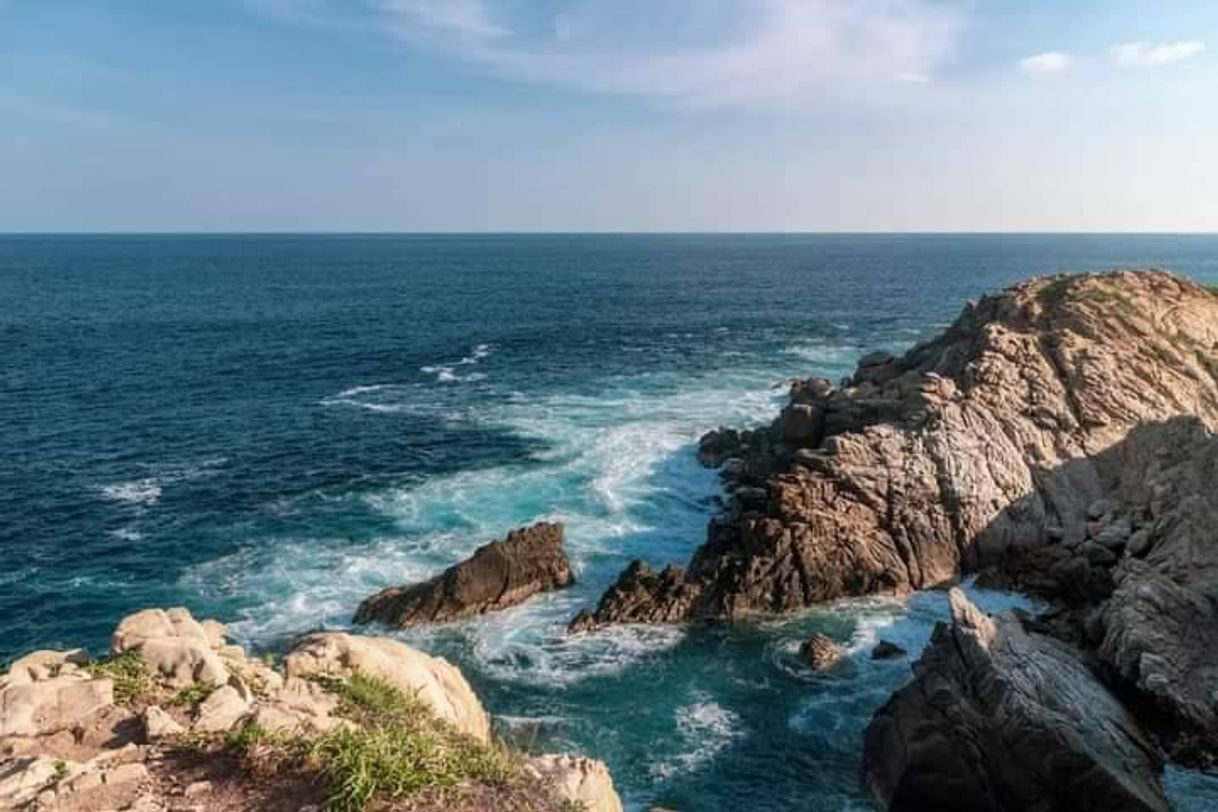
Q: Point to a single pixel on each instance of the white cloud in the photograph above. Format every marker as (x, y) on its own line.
(1051, 62)
(688, 51)
(1153, 54)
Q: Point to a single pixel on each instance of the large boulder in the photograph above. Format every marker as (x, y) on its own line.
(432, 680)
(498, 575)
(175, 646)
(998, 719)
(35, 707)
(583, 782)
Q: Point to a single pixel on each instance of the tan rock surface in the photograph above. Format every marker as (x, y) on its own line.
(433, 680)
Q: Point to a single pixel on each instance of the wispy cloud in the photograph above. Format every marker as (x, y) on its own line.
(1154, 54)
(688, 51)
(1046, 63)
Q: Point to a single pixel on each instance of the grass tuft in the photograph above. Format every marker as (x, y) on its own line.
(396, 748)
(191, 695)
(129, 674)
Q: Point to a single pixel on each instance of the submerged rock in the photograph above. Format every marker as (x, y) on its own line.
(498, 575)
(1001, 719)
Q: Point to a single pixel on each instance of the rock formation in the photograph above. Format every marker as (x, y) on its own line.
(498, 575)
(887, 650)
(821, 652)
(947, 459)
(160, 725)
(999, 719)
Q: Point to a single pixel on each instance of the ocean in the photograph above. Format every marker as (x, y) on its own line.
(266, 429)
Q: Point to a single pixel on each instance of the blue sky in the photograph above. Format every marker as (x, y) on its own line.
(424, 115)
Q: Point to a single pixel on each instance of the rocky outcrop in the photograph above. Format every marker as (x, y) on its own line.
(641, 595)
(999, 719)
(156, 734)
(433, 680)
(583, 782)
(821, 652)
(498, 575)
(966, 450)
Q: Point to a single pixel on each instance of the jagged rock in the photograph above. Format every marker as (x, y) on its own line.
(885, 650)
(433, 680)
(641, 596)
(999, 719)
(821, 652)
(973, 447)
(717, 446)
(582, 781)
(174, 645)
(1159, 628)
(498, 575)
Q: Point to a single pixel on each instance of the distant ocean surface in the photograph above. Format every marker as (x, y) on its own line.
(266, 429)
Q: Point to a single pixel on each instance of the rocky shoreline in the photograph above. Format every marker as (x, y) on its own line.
(1054, 439)
(176, 719)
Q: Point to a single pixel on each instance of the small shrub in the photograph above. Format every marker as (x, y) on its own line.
(129, 674)
(1055, 291)
(61, 769)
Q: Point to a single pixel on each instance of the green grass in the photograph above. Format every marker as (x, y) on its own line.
(191, 695)
(399, 748)
(1068, 287)
(129, 674)
(1056, 291)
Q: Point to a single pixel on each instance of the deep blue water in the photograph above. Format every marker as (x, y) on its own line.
(267, 429)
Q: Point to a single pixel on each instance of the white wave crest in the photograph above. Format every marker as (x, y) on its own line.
(706, 728)
(145, 491)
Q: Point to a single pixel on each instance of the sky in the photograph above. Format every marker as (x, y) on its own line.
(608, 115)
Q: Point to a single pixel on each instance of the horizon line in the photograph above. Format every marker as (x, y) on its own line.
(595, 232)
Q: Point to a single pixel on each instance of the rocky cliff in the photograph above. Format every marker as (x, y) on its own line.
(1001, 719)
(1055, 438)
(949, 458)
(176, 718)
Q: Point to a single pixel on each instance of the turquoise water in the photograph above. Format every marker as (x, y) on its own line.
(267, 429)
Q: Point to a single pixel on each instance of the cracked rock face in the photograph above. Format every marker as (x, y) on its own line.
(1001, 719)
(967, 448)
(498, 575)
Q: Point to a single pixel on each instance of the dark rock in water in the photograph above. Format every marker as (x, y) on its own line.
(717, 445)
(498, 575)
(585, 621)
(641, 595)
(998, 719)
(821, 652)
(885, 650)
